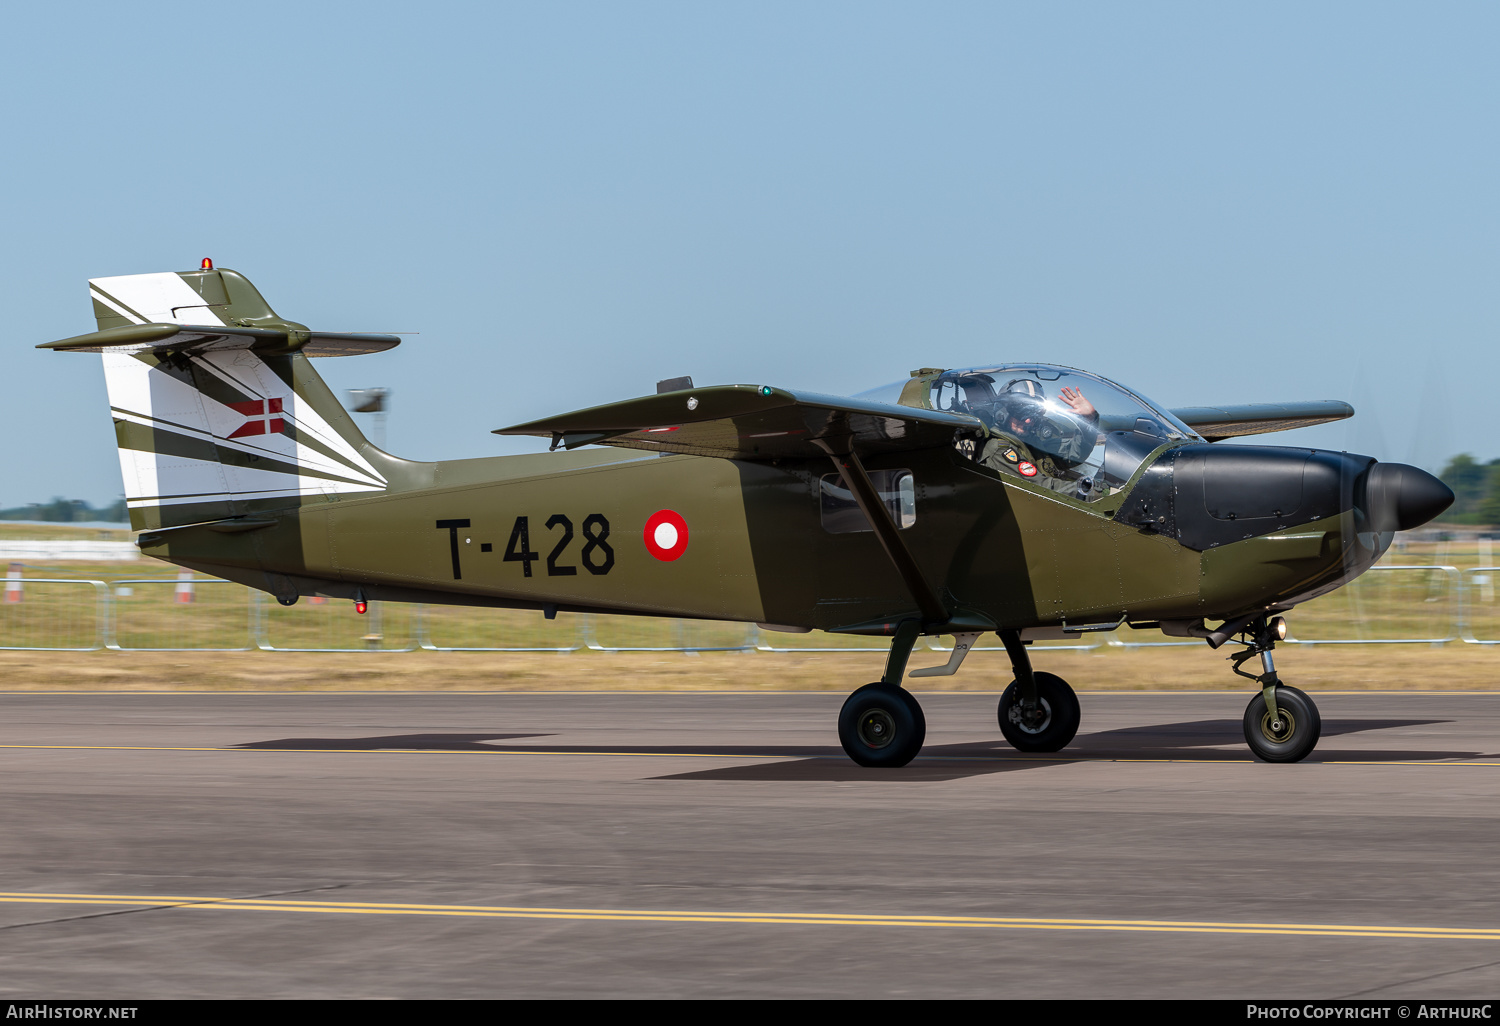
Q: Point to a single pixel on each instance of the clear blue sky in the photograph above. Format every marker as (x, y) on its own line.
(1208, 202)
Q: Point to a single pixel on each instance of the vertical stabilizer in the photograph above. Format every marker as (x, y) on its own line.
(212, 426)
(208, 297)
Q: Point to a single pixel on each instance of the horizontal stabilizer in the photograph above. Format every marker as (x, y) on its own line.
(218, 416)
(204, 311)
(752, 422)
(192, 338)
(1216, 423)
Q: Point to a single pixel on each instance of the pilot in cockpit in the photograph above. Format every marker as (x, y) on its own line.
(1054, 438)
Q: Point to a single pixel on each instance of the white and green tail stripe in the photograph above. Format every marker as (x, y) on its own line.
(218, 433)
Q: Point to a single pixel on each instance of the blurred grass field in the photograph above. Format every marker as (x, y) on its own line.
(1317, 669)
(211, 642)
(32, 531)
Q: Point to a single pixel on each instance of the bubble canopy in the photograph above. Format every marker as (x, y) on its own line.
(1074, 432)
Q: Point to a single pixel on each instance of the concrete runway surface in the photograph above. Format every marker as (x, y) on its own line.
(720, 845)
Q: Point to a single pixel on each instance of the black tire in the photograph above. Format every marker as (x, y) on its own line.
(1059, 723)
(882, 725)
(1298, 736)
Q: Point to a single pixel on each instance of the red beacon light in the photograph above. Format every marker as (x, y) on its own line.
(208, 265)
(360, 605)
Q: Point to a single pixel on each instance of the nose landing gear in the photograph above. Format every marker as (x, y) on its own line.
(1288, 736)
(1281, 723)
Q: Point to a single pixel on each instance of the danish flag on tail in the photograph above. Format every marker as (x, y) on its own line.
(217, 411)
(265, 418)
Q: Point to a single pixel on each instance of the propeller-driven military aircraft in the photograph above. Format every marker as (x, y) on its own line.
(1024, 499)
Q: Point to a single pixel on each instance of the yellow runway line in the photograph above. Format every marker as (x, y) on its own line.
(167, 902)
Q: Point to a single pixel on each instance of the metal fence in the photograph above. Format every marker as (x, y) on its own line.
(51, 614)
(1389, 605)
(1433, 604)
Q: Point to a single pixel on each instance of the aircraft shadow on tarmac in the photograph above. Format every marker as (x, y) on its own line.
(1191, 740)
(1194, 740)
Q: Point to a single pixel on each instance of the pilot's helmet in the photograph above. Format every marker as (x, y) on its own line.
(1023, 406)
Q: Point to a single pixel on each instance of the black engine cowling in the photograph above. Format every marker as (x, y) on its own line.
(1211, 495)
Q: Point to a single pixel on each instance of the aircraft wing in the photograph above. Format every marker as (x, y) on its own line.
(751, 422)
(1217, 423)
(194, 338)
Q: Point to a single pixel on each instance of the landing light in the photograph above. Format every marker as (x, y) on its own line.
(1278, 628)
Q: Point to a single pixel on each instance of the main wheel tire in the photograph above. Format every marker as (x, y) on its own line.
(1291, 739)
(882, 725)
(1060, 715)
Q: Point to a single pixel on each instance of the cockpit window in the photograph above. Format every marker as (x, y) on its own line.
(1071, 431)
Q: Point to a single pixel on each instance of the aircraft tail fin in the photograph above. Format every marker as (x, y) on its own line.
(207, 296)
(217, 412)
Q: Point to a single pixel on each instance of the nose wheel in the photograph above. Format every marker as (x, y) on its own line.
(1281, 723)
(1287, 735)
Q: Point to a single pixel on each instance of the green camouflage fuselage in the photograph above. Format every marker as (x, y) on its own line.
(239, 461)
(756, 549)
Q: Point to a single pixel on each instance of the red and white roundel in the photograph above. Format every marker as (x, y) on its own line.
(666, 535)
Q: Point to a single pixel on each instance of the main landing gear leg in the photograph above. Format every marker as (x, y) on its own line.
(881, 724)
(1039, 711)
(1281, 723)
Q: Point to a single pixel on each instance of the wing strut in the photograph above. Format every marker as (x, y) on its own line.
(863, 489)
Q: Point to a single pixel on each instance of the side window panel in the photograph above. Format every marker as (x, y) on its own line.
(842, 515)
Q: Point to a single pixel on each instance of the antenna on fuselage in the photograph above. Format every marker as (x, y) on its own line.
(674, 384)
